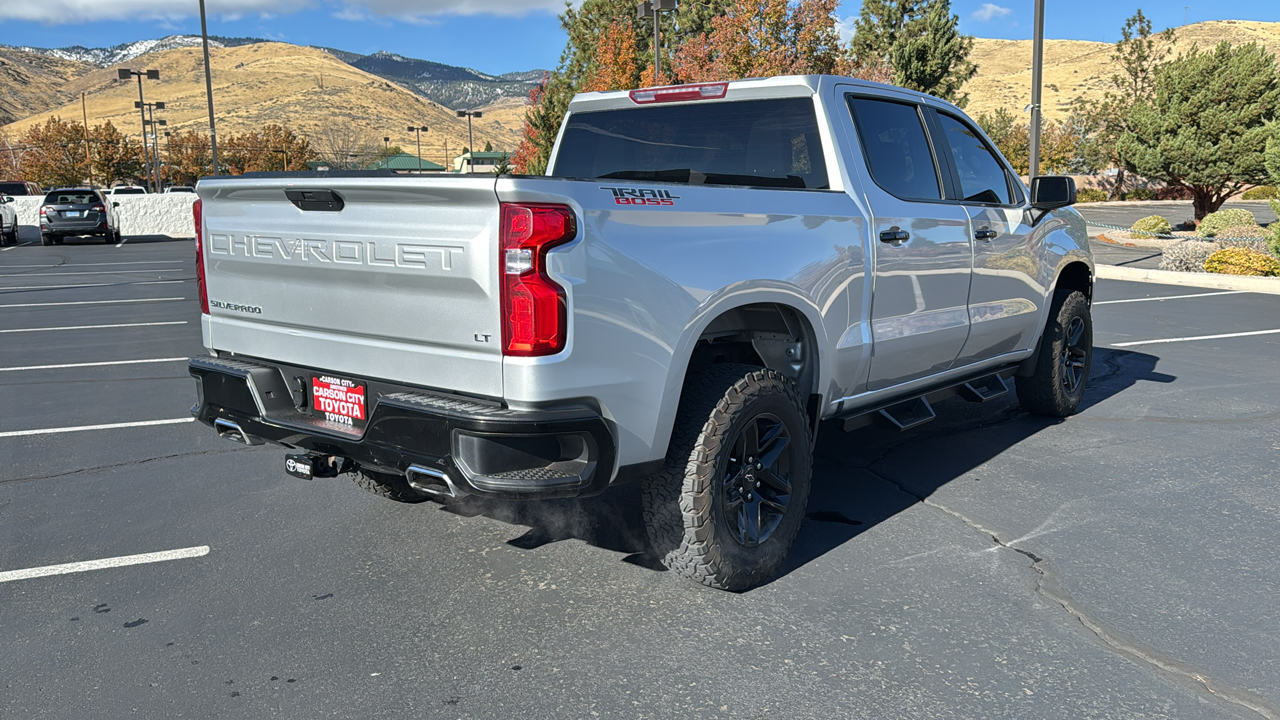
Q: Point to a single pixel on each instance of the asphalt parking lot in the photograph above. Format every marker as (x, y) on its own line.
(1119, 564)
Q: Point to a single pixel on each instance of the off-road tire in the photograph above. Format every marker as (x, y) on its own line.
(9, 236)
(387, 485)
(683, 503)
(1047, 391)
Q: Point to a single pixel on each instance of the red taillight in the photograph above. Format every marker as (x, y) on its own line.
(533, 305)
(196, 211)
(98, 208)
(679, 93)
(44, 209)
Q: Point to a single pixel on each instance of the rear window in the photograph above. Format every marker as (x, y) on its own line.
(72, 198)
(128, 191)
(13, 188)
(756, 143)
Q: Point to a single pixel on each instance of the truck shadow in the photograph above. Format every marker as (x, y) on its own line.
(853, 484)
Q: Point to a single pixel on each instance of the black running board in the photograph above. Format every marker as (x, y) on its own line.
(917, 410)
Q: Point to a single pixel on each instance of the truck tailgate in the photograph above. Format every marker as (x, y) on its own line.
(401, 282)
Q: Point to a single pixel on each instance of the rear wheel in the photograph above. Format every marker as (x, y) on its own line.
(1065, 356)
(388, 485)
(727, 506)
(46, 239)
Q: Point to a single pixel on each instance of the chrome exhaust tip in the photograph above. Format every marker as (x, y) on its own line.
(232, 431)
(431, 481)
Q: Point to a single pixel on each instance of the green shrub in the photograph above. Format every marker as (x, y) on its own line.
(1262, 192)
(1188, 256)
(1242, 261)
(1242, 232)
(1214, 223)
(1140, 194)
(1151, 225)
(1273, 238)
(1090, 195)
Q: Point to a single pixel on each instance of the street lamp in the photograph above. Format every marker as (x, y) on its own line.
(168, 153)
(208, 90)
(1037, 71)
(155, 139)
(125, 74)
(418, 131)
(471, 141)
(654, 9)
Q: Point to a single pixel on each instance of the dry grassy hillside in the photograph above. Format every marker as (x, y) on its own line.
(1074, 68)
(298, 87)
(31, 83)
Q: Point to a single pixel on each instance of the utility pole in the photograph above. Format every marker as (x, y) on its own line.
(654, 9)
(418, 131)
(471, 140)
(1037, 70)
(125, 74)
(208, 90)
(155, 140)
(88, 157)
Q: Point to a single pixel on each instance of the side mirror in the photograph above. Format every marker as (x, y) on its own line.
(115, 204)
(1050, 192)
(5, 199)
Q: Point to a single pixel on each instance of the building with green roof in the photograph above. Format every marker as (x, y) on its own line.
(404, 162)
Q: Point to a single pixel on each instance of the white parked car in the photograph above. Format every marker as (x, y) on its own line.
(179, 189)
(127, 190)
(8, 221)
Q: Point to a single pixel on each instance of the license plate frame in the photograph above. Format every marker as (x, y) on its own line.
(72, 214)
(339, 400)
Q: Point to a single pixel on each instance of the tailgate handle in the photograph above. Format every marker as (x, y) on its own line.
(315, 200)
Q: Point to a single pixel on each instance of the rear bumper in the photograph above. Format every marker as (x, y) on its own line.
(482, 447)
(73, 228)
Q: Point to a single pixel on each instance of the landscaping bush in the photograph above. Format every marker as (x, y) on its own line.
(1151, 225)
(1214, 223)
(1140, 194)
(1273, 238)
(1242, 232)
(1254, 245)
(1173, 193)
(1188, 256)
(1262, 192)
(1242, 261)
(1090, 195)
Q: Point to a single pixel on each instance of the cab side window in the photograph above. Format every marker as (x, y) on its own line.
(896, 147)
(982, 177)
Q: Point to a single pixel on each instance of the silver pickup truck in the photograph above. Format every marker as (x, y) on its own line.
(705, 273)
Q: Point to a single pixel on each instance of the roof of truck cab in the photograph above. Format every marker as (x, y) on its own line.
(753, 89)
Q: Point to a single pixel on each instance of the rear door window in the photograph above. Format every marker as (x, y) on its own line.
(982, 178)
(896, 147)
(754, 143)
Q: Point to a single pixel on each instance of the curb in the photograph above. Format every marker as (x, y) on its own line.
(1204, 280)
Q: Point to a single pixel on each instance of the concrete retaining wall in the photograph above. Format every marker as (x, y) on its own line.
(139, 214)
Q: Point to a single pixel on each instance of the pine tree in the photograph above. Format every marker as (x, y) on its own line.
(879, 26)
(930, 54)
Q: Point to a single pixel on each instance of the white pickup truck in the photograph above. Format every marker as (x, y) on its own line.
(705, 273)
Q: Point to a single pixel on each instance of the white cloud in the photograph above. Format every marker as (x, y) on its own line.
(60, 12)
(845, 27)
(990, 11)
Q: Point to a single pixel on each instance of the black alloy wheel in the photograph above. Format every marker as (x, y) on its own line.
(756, 488)
(1075, 356)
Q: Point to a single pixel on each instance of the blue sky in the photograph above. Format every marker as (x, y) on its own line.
(503, 35)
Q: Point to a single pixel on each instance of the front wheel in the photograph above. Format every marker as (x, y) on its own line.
(729, 502)
(1057, 386)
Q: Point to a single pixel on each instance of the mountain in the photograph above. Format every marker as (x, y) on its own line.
(306, 89)
(32, 83)
(1078, 68)
(454, 87)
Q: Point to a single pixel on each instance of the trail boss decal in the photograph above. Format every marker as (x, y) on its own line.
(641, 196)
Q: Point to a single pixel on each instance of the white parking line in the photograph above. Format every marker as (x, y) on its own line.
(1170, 297)
(91, 364)
(123, 240)
(95, 327)
(92, 302)
(113, 562)
(92, 285)
(1197, 337)
(92, 272)
(108, 426)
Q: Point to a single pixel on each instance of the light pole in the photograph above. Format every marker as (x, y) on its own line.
(125, 74)
(471, 140)
(418, 131)
(654, 9)
(168, 153)
(1037, 67)
(155, 139)
(208, 90)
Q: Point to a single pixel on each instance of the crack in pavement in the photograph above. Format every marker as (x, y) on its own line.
(113, 466)
(1048, 586)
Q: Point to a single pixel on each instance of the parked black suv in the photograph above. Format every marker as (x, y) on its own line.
(77, 211)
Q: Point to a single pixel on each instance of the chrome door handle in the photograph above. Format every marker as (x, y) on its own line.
(985, 234)
(895, 236)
